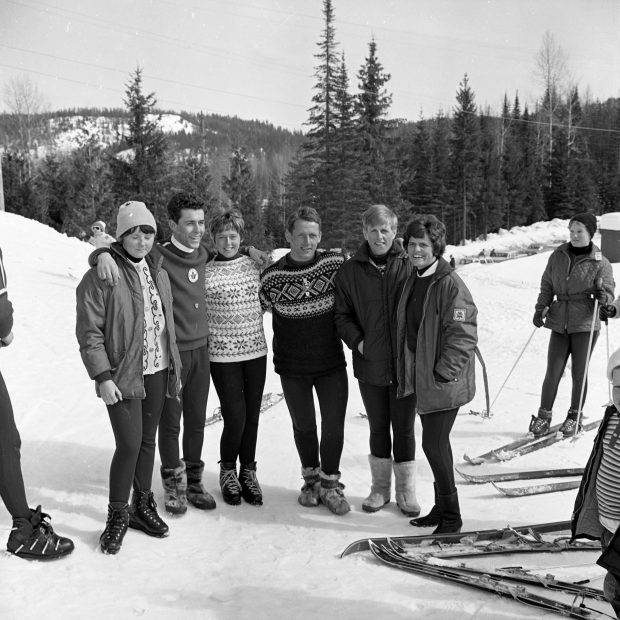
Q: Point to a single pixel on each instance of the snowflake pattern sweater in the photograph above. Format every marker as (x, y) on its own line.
(301, 298)
(234, 311)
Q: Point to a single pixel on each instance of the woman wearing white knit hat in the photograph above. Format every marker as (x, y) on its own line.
(128, 345)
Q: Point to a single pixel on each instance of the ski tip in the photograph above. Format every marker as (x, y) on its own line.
(355, 547)
(473, 460)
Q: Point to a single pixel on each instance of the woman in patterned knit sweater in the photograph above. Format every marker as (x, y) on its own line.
(128, 345)
(237, 355)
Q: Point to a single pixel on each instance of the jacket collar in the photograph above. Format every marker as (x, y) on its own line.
(363, 252)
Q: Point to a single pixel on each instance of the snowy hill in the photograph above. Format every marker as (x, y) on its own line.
(279, 560)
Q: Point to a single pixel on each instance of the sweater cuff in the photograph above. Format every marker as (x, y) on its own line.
(104, 376)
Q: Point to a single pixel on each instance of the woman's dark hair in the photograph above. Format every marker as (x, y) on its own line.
(429, 225)
(227, 220)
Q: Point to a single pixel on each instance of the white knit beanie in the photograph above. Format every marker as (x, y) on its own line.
(132, 214)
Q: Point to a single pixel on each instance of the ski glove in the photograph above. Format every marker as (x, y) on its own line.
(607, 311)
(599, 292)
(539, 318)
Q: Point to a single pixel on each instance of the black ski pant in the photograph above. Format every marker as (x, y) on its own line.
(561, 346)
(12, 489)
(239, 386)
(436, 429)
(192, 408)
(386, 412)
(332, 390)
(134, 423)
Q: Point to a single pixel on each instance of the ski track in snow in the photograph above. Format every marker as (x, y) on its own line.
(280, 560)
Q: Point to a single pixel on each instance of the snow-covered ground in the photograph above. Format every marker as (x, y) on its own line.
(279, 560)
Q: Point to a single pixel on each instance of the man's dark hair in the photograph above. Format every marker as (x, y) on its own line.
(180, 201)
(307, 214)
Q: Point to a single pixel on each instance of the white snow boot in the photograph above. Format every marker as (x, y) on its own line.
(404, 474)
(381, 486)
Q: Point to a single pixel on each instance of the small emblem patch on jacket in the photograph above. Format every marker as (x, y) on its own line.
(459, 314)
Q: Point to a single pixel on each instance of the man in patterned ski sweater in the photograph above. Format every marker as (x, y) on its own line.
(308, 355)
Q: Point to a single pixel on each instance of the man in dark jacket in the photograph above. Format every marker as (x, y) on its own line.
(366, 296)
(32, 536)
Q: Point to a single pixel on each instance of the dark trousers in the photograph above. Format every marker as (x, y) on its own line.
(12, 489)
(332, 391)
(192, 408)
(560, 347)
(239, 386)
(134, 423)
(436, 429)
(384, 410)
(611, 585)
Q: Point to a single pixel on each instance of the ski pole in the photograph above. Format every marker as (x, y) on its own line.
(544, 314)
(585, 374)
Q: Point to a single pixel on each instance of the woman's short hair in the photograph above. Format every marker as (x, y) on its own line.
(230, 219)
(377, 214)
(429, 225)
(308, 214)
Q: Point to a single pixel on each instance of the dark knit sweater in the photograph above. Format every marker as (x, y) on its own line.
(301, 298)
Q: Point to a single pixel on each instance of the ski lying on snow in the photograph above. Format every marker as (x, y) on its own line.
(474, 535)
(520, 475)
(490, 583)
(269, 400)
(537, 489)
(525, 445)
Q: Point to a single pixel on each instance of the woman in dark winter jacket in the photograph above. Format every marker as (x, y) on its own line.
(576, 274)
(597, 507)
(32, 537)
(436, 339)
(366, 296)
(128, 345)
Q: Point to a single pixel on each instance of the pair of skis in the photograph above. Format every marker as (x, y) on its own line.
(510, 582)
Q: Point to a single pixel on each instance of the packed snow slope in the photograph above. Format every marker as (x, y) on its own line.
(279, 560)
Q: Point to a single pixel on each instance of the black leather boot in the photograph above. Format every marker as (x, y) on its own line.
(229, 483)
(450, 521)
(432, 518)
(116, 526)
(250, 489)
(143, 515)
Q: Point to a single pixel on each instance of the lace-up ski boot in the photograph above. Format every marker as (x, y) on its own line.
(332, 494)
(309, 496)
(197, 495)
(229, 483)
(540, 424)
(570, 424)
(116, 526)
(175, 489)
(143, 515)
(250, 489)
(34, 538)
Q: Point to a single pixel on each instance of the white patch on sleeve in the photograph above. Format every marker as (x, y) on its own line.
(459, 314)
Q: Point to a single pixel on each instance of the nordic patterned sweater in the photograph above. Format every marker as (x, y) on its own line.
(301, 299)
(234, 312)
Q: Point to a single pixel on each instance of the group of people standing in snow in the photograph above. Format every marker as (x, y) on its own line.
(156, 321)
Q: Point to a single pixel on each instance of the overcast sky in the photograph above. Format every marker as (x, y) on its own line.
(255, 58)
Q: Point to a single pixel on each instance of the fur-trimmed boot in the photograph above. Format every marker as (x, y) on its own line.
(143, 515)
(309, 496)
(229, 483)
(404, 476)
(381, 485)
(116, 526)
(331, 494)
(432, 518)
(197, 495)
(250, 489)
(175, 489)
(34, 538)
(450, 521)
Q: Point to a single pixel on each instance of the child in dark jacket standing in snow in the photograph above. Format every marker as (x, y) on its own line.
(127, 342)
(237, 355)
(597, 507)
(32, 536)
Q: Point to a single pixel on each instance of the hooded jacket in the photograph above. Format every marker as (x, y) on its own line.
(568, 291)
(446, 343)
(365, 309)
(110, 326)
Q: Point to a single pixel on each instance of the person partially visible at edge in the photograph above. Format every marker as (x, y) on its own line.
(436, 343)
(128, 346)
(308, 355)
(596, 514)
(184, 257)
(365, 315)
(577, 273)
(32, 536)
(237, 354)
(100, 238)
